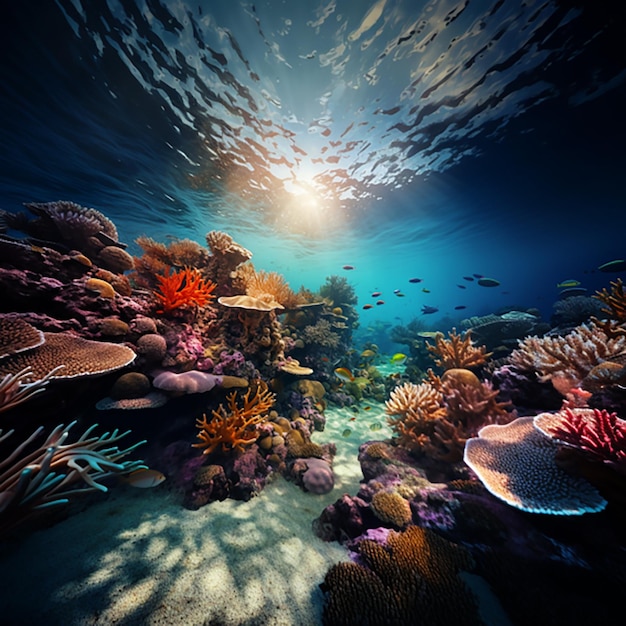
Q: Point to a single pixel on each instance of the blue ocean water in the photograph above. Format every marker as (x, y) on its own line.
(428, 140)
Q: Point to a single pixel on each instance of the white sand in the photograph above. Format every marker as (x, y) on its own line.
(138, 557)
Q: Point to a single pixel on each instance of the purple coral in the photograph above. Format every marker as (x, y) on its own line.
(318, 477)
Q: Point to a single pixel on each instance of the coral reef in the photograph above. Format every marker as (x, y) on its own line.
(235, 428)
(614, 301)
(457, 351)
(184, 288)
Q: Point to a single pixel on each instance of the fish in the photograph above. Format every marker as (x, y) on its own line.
(144, 478)
(428, 334)
(368, 354)
(461, 306)
(399, 294)
(488, 282)
(346, 433)
(367, 408)
(572, 291)
(348, 267)
(619, 265)
(415, 280)
(427, 310)
(426, 290)
(375, 294)
(461, 286)
(379, 302)
(470, 278)
(368, 306)
(478, 275)
(376, 426)
(566, 284)
(344, 374)
(399, 358)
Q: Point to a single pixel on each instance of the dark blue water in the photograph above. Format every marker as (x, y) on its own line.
(407, 139)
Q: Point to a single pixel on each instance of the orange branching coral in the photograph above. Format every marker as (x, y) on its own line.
(615, 300)
(235, 428)
(182, 289)
(457, 351)
(437, 416)
(417, 407)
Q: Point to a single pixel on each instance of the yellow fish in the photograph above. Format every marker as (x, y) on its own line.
(398, 358)
(567, 284)
(344, 374)
(144, 478)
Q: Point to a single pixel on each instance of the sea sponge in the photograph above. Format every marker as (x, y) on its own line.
(152, 346)
(103, 288)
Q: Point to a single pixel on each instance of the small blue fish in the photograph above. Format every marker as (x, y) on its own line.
(415, 280)
(426, 290)
(461, 306)
(470, 278)
(375, 294)
(461, 286)
(348, 267)
(427, 310)
(399, 294)
(479, 275)
(396, 291)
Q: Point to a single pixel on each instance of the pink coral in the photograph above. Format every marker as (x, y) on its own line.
(598, 433)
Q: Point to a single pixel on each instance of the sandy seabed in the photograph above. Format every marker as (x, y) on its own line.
(139, 558)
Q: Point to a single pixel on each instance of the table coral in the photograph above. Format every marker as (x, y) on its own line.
(516, 463)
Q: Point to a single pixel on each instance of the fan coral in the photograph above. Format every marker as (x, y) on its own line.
(338, 291)
(600, 434)
(615, 300)
(183, 289)
(268, 286)
(235, 428)
(573, 355)
(458, 351)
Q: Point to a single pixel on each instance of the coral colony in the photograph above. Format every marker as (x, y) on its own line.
(484, 450)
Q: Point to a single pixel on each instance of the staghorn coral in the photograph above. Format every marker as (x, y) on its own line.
(573, 355)
(417, 408)
(614, 301)
(516, 463)
(437, 416)
(599, 434)
(457, 351)
(183, 289)
(33, 481)
(234, 429)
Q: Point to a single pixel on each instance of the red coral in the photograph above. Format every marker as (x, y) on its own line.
(183, 289)
(599, 433)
